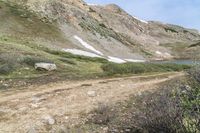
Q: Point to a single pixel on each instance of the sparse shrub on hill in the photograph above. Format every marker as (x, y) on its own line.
(190, 101)
(6, 69)
(30, 60)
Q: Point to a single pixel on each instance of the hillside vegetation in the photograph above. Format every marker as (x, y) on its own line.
(29, 35)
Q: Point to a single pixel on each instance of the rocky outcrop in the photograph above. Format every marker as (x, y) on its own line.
(45, 66)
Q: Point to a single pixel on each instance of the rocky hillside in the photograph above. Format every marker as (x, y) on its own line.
(93, 30)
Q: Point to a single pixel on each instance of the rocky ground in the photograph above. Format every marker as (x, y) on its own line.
(58, 107)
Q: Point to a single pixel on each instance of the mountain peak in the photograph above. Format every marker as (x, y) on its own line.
(114, 8)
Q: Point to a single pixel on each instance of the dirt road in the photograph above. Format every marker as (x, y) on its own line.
(40, 109)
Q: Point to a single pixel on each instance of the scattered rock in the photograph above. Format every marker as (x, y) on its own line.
(6, 85)
(26, 68)
(45, 66)
(127, 130)
(66, 117)
(105, 129)
(23, 109)
(139, 94)
(32, 130)
(49, 120)
(91, 93)
(34, 105)
(122, 85)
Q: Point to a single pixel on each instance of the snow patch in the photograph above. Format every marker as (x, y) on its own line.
(81, 52)
(158, 52)
(91, 4)
(143, 21)
(134, 60)
(86, 45)
(116, 60)
(163, 54)
(167, 54)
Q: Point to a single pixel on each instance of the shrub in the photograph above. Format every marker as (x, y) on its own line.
(77, 57)
(175, 108)
(102, 115)
(68, 61)
(30, 60)
(190, 100)
(151, 112)
(137, 68)
(168, 29)
(6, 69)
(159, 112)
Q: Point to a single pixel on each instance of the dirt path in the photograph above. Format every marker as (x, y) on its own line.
(49, 107)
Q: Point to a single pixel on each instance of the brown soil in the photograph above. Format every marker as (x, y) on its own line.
(25, 110)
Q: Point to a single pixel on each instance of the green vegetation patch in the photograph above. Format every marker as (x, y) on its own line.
(195, 45)
(138, 68)
(174, 108)
(168, 29)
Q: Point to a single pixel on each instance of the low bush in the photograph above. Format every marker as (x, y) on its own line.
(68, 61)
(30, 60)
(190, 101)
(77, 57)
(175, 108)
(6, 69)
(137, 68)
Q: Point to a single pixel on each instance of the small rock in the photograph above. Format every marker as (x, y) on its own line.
(91, 93)
(105, 129)
(127, 130)
(139, 94)
(45, 66)
(66, 117)
(26, 68)
(22, 109)
(34, 105)
(6, 85)
(49, 119)
(122, 85)
(32, 130)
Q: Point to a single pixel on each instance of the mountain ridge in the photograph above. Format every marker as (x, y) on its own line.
(109, 29)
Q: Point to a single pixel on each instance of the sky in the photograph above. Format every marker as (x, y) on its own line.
(181, 12)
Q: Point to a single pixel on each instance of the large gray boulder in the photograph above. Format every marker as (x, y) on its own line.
(45, 66)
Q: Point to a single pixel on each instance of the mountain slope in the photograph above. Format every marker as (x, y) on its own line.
(108, 29)
(70, 32)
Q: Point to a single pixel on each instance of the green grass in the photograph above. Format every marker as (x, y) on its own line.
(139, 68)
(26, 39)
(195, 45)
(20, 23)
(168, 29)
(17, 59)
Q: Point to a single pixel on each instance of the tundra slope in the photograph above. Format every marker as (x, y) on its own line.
(108, 29)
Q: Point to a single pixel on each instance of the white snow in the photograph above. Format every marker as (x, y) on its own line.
(167, 54)
(116, 60)
(163, 54)
(143, 21)
(81, 52)
(91, 4)
(134, 60)
(86, 45)
(158, 52)
(109, 58)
